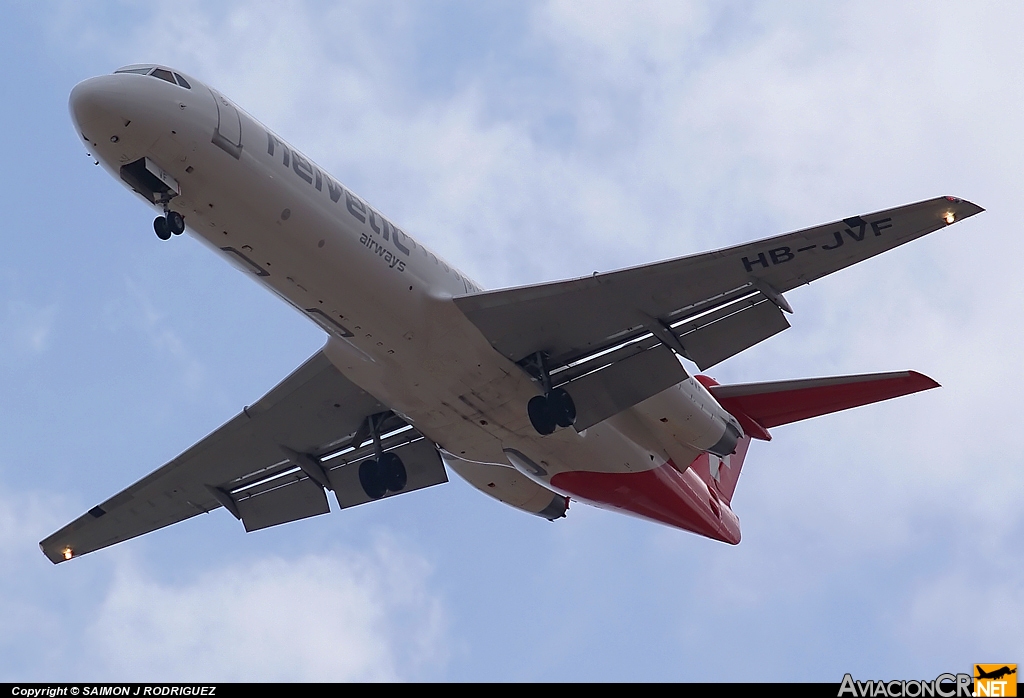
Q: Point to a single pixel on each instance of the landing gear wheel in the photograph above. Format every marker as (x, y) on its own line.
(392, 472)
(175, 222)
(562, 407)
(540, 415)
(160, 226)
(371, 480)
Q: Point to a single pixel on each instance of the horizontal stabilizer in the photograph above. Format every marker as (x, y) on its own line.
(782, 402)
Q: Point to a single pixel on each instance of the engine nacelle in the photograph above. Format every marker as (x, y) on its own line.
(689, 415)
(508, 485)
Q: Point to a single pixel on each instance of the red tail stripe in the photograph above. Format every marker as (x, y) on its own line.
(782, 402)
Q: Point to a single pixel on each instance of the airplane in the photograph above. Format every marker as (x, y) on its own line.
(995, 674)
(535, 395)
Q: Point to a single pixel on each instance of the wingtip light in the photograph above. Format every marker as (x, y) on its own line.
(950, 217)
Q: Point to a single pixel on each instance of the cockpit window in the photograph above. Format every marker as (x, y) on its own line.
(162, 73)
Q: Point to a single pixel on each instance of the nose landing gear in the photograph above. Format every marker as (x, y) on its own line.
(172, 223)
(160, 226)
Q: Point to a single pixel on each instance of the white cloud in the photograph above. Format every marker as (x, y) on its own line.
(332, 617)
(972, 611)
(335, 616)
(28, 326)
(695, 125)
(28, 619)
(687, 126)
(22, 516)
(612, 43)
(166, 342)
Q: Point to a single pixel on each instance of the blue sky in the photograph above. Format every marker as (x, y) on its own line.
(528, 142)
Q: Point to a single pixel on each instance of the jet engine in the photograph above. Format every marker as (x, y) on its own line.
(508, 485)
(688, 415)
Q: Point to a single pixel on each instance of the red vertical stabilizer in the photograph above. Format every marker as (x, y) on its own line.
(721, 474)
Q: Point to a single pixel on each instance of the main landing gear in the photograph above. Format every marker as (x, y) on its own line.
(384, 473)
(555, 407)
(172, 223)
(551, 410)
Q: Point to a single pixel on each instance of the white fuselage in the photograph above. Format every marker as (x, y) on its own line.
(383, 298)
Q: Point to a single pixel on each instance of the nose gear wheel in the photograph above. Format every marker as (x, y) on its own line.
(173, 223)
(160, 226)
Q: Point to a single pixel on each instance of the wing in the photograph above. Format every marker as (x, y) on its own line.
(267, 466)
(706, 307)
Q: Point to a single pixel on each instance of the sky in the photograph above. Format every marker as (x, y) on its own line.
(527, 142)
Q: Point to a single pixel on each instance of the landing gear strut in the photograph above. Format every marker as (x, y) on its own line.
(171, 223)
(384, 473)
(555, 407)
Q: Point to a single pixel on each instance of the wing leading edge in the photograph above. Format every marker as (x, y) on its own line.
(269, 465)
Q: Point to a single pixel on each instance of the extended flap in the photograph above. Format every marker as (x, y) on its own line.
(296, 499)
(612, 389)
(729, 335)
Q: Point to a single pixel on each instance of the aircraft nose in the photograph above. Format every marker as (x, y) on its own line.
(97, 104)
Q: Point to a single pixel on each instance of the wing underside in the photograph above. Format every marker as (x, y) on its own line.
(269, 465)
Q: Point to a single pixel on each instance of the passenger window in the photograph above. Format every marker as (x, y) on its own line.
(182, 81)
(163, 75)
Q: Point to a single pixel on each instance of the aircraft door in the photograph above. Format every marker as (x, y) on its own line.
(228, 134)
